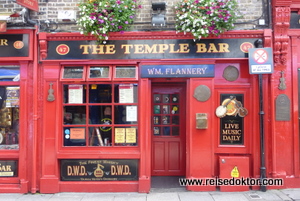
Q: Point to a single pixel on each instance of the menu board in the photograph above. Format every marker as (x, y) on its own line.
(75, 93)
(126, 93)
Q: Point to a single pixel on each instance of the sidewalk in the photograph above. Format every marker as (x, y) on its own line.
(159, 195)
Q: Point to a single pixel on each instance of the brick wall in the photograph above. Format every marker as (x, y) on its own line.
(48, 10)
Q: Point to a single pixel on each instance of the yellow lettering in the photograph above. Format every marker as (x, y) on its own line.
(113, 170)
(184, 48)
(201, 48)
(151, 49)
(97, 49)
(138, 49)
(223, 47)
(110, 49)
(85, 49)
(126, 48)
(3, 42)
(212, 48)
(172, 49)
(162, 48)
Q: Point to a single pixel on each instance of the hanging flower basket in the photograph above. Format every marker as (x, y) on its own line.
(99, 17)
(202, 18)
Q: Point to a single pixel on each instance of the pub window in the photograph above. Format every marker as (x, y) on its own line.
(9, 107)
(96, 72)
(102, 113)
(73, 73)
(125, 72)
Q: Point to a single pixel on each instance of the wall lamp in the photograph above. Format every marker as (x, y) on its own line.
(158, 14)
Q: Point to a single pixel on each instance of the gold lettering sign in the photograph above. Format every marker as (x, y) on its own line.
(3, 42)
(183, 48)
(99, 170)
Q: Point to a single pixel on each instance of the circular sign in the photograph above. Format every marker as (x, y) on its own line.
(18, 44)
(260, 56)
(106, 121)
(245, 46)
(62, 49)
(202, 93)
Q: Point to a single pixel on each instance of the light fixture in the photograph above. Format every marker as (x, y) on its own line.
(158, 15)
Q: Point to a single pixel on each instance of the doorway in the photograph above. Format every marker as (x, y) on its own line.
(168, 129)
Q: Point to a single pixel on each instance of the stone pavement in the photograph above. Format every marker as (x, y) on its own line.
(162, 195)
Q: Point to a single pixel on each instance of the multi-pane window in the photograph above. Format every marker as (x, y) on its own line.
(166, 114)
(9, 107)
(97, 112)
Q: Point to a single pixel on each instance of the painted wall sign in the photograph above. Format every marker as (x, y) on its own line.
(31, 4)
(14, 45)
(150, 49)
(232, 125)
(155, 71)
(99, 170)
(8, 168)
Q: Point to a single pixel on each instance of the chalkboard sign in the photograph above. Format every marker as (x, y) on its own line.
(232, 125)
(73, 72)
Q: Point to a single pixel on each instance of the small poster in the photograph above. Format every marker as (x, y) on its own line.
(126, 93)
(130, 135)
(12, 96)
(75, 94)
(119, 135)
(77, 133)
(131, 113)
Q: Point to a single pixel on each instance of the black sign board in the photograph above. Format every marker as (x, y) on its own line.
(8, 168)
(99, 170)
(150, 49)
(151, 71)
(232, 125)
(14, 45)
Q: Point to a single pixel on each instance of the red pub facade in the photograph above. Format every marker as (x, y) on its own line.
(108, 117)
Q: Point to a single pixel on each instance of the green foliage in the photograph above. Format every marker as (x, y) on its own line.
(99, 17)
(204, 17)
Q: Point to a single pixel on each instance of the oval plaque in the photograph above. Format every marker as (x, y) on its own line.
(202, 93)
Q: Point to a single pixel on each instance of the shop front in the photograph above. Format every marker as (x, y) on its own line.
(16, 92)
(146, 104)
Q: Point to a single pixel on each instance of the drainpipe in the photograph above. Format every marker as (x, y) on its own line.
(35, 113)
(259, 44)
